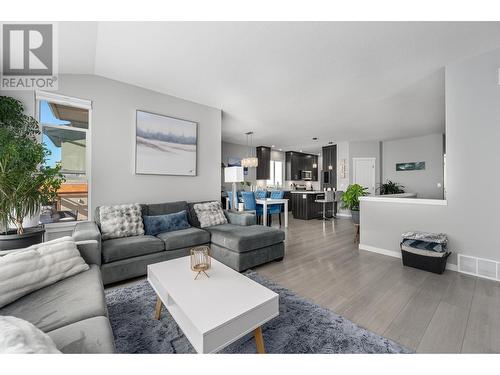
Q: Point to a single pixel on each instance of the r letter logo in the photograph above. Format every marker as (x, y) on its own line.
(28, 57)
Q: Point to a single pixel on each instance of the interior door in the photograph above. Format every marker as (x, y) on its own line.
(364, 173)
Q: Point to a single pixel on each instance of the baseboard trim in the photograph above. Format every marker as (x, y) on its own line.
(396, 254)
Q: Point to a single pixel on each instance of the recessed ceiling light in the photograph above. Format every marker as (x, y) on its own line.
(300, 150)
(280, 149)
(272, 146)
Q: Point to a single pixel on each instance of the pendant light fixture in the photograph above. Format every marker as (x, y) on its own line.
(250, 161)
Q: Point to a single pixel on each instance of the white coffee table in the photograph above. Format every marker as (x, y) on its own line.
(212, 312)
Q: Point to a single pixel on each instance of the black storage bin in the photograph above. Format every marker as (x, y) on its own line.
(426, 263)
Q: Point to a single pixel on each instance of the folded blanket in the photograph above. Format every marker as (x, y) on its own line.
(423, 245)
(425, 236)
(426, 253)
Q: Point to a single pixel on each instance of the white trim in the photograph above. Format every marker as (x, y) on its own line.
(396, 254)
(78, 103)
(62, 99)
(430, 202)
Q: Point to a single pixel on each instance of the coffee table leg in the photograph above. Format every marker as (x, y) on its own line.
(159, 305)
(259, 340)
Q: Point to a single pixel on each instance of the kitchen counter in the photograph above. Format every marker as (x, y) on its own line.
(307, 192)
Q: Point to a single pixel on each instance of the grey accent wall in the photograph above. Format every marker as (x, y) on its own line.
(472, 133)
(112, 158)
(365, 149)
(427, 148)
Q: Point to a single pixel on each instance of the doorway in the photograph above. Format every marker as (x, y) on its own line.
(364, 173)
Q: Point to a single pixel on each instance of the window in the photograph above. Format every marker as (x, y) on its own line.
(276, 174)
(65, 133)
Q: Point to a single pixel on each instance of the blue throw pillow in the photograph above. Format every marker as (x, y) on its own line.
(154, 225)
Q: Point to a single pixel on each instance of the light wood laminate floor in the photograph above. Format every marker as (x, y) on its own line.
(426, 312)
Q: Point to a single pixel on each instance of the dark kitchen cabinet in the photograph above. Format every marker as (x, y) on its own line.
(296, 162)
(330, 161)
(264, 166)
(305, 207)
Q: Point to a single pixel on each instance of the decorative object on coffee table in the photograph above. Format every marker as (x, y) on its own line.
(200, 260)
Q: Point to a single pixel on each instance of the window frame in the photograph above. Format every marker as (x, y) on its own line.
(77, 103)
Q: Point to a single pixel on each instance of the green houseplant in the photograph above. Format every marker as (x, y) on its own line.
(391, 187)
(25, 183)
(350, 200)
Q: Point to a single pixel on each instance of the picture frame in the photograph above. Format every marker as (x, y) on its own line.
(165, 145)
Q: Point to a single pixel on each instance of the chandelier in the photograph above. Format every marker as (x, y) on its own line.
(250, 161)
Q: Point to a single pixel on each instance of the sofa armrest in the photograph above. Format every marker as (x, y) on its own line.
(241, 218)
(88, 240)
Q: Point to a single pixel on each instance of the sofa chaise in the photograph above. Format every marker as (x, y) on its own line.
(72, 311)
(240, 244)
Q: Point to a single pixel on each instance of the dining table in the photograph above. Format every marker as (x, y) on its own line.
(270, 201)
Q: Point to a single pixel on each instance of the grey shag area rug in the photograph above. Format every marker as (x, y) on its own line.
(301, 327)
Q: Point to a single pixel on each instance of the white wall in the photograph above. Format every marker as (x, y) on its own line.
(470, 217)
(112, 160)
(427, 148)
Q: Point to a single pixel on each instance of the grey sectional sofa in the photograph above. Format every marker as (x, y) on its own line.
(240, 244)
(72, 311)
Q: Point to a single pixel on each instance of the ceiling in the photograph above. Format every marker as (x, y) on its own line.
(288, 81)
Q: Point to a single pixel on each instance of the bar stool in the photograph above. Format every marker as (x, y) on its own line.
(328, 198)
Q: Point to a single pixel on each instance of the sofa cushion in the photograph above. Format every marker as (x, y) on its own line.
(26, 270)
(165, 223)
(193, 219)
(210, 214)
(245, 238)
(97, 216)
(184, 238)
(123, 220)
(65, 302)
(129, 247)
(93, 335)
(165, 208)
(21, 337)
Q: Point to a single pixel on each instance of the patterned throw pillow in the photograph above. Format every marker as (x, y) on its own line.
(157, 224)
(209, 214)
(121, 221)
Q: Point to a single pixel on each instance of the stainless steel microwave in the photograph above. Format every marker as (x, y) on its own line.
(306, 175)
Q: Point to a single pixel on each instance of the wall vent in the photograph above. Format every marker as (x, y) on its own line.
(486, 268)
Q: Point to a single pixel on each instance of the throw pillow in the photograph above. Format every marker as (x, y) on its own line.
(157, 224)
(209, 214)
(33, 268)
(123, 220)
(21, 337)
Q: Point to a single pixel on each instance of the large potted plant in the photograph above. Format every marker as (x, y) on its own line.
(25, 183)
(350, 200)
(390, 187)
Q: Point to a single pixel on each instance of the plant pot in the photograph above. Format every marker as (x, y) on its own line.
(355, 216)
(12, 240)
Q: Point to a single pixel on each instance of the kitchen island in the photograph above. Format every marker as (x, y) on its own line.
(304, 206)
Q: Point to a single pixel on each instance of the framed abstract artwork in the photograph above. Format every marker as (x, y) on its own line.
(165, 145)
(413, 166)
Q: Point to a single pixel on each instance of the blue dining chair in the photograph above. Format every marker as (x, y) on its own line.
(260, 194)
(276, 208)
(230, 203)
(250, 204)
